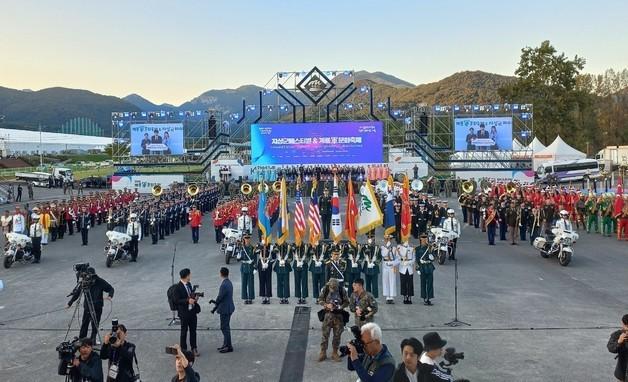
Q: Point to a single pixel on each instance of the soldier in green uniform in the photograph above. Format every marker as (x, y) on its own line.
(247, 269)
(282, 268)
(425, 261)
(299, 267)
(354, 264)
(333, 299)
(591, 208)
(362, 303)
(317, 267)
(606, 209)
(370, 254)
(336, 267)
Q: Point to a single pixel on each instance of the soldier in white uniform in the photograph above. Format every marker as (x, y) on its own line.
(244, 221)
(406, 271)
(390, 262)
(451, 224)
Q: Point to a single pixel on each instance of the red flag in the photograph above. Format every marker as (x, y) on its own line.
(406, 219)
(352, 213)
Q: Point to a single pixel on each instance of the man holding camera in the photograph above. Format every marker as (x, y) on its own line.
(618, 344)
(120, 355)
(187, 306)
(362, 303)
(183, 364)
(96, 289)
(376, 364)
(433, 349)
(87, 366)
(334, 299)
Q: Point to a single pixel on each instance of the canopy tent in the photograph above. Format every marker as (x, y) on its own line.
(558, 150)
(536, 145)
(517, 146)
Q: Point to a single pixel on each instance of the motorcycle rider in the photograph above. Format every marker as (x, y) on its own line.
(564, 223)
(244, 221)
(451, 224)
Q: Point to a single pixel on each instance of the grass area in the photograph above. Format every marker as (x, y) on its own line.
(100, 171)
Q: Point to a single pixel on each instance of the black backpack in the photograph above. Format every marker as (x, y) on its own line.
(171, 297)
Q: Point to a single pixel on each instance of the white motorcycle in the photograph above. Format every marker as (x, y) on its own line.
(117, 247)
(443, 242)
(559, 244)
(18, 250)
(231, 243)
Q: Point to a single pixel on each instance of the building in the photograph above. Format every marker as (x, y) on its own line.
(24, 142)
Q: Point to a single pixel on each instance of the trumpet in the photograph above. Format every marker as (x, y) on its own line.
(246, 189)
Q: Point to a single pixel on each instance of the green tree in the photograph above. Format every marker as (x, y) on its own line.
(548, 80)
(117, 149)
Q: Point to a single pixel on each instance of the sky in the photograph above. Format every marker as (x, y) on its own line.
(172, 51)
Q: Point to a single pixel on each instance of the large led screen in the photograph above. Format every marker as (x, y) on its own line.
(483, 134)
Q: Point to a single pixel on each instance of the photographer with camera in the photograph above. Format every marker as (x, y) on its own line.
(120, 354)
(87, 366)
(433, 346)
(184, 360)
(362, 303)
(186, 300)
(618, 344)
(375, 363)
(95, 286)
(334, 299)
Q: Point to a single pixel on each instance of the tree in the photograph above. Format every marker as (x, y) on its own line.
(548, 80)
(117, 149)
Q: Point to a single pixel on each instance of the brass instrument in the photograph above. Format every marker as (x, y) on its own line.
(416, 185)
(277, 187)
(469, 186)
(262, 187)
(511, 187)
(246, 189)
(157, 190)
(193, 189)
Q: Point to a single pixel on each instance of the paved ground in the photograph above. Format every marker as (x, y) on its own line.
(531, 319)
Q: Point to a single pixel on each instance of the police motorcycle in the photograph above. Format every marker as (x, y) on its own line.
(442, 242)
(18, 249)
(231, 244)
(117, 247)
(559, 243)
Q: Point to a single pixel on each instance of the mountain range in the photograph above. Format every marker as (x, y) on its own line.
(52, 107)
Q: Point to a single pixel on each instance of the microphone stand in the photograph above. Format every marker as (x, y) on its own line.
(174, 320)
(455, 322)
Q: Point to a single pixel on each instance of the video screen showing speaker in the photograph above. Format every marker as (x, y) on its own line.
(317, 143)
(483, 134)
(157, 139)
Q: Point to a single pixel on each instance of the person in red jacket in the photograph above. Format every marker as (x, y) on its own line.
(195, 222)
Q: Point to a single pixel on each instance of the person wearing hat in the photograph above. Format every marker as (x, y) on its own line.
(408, 369)
(247, 270)
(452, 225)
(244, 221)
(195, 219)
(432, 348)
(317, 267)
(336, 266)
(83, 224)
(425, 260)
(513, 216)
(134, 229)
(35, 233)
(390, 262)
(87, 366)
(405, 253)
(324, 205)
(334, 300)
(564, 223)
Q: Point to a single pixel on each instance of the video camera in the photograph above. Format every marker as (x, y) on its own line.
(356, 342)
(84, 277)
(66, 351)
(452, 357)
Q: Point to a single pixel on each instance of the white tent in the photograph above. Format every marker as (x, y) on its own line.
(536, 145)
(516, 145)
(558, 150)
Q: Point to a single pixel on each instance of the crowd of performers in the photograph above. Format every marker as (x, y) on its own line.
(520, 213)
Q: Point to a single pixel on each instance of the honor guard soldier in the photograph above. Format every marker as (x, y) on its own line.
(134, 229)
(324, 205)
(335, 268)
(451, 224)
(389, 270)
(247, 268)
(425, 260)
(362, 303)
(490, 220)
(370, 254)
(406, 271)
(164, 230)
(333, 299)
(244, 221)
(317, 267)
(299, 267)
(354, 264)
(154, 225)
(282, 268)
(265, 259)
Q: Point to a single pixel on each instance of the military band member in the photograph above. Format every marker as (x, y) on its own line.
(153, 226)
(490, 220)
(390, 262)
(501, 220)
(247, 268)
(336, 267)
(425, 260)
(317, 267)
(265, 259)
(333, 299)
(406, 271)
(299, 267)
(371, 256)
(534, 223)
(354, 264)
(324, 205)
(282, 268)
(362, 303)
(591, 210)
(164, 229)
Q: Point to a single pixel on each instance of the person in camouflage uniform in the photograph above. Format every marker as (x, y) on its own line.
(362, 303)
(334, 299)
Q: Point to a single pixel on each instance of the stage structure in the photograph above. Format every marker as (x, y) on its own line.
(184, 143)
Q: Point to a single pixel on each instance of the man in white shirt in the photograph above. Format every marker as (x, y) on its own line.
(390, 262)
(564, 223)
(134, 229)
(451, 224)
(19, 222)
(35, 233)
(244, 221)
(6, 221)
(411, 350)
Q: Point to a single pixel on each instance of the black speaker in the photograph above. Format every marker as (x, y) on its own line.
(212, 127)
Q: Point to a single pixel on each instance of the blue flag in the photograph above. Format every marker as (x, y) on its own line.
(389, 209)
(263, 221)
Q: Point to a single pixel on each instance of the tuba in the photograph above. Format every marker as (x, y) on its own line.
(157, 190)
(511, 187)
(246, 189)
(192, 189)
(416, 185)
(262, 187)
(277, 186)
(469, 186)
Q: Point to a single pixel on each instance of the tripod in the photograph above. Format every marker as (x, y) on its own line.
(174, 320)
(455, 322)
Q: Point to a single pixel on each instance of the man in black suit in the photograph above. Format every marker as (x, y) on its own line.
(83, 224)
(188, 308)
(225, 307)
(156, 138)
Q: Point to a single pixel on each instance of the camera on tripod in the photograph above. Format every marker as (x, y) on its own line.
(356, 342)
(66, 351)
(84, 275)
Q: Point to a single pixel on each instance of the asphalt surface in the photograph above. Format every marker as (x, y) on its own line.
(531, 319)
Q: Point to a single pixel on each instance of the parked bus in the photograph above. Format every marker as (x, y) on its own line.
(567, 171)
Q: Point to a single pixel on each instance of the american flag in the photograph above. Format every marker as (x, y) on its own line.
(314, 215)
(299, 216)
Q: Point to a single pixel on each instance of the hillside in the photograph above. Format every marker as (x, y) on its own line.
(145, 105)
